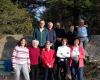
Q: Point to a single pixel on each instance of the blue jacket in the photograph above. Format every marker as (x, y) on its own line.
(52, 36)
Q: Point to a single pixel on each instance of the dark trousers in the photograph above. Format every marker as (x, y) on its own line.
(48, 74)
(33, 72)
(76, 72)
(62, 67)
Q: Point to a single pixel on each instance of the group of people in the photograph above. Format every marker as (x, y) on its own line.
(52, 52)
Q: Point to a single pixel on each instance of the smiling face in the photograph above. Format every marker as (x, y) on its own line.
(50, 25)
(81, 22)
(71, 28)
(23, 42)
(48, 45)
(35, 43)
(42, 24)
(64, 42)
(76, 42)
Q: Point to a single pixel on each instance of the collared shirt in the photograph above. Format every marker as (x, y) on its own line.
(41, 29)
(63, 52)
(82, 31)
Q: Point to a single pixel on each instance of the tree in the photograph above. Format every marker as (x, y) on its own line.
(73, 10)
(14, 20)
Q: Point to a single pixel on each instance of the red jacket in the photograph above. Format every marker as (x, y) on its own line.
(48, 57)
(81, 56)
(34, 54)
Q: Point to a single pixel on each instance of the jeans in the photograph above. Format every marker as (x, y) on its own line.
(84, 42)
(24, 69)
(48, 74)
(76, 72)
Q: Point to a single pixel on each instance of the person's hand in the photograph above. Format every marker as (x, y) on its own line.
(14, 67)
(49, 65)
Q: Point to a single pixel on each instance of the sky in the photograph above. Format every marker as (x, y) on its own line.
(38, 10)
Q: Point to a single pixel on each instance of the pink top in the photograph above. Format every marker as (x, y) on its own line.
(20, 55)
(81, 56)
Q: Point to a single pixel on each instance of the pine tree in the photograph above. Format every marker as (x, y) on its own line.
(14, 20)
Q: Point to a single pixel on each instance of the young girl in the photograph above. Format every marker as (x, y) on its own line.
(20, 59)
(48, 59)
(77, 60)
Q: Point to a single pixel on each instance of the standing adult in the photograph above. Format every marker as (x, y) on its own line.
(48, 59)
(71, 35)
(82, 33)
(63, 54)
(34, 53)
(41, 34)
(20, 59)
(77, 61)
(60, 33)
(52, 34)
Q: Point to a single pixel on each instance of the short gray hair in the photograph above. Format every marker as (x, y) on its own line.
(35, 41)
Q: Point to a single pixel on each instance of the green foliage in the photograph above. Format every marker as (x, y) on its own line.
(58, 10)
(71, 10)
(14, 20)
(65, 8)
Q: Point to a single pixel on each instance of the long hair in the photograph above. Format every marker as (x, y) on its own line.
(77, 39)
(19, 43)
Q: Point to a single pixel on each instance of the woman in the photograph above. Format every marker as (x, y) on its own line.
(63, 54)
(60, 33)
(20, 59)
(52, 34)
(48, 59)
(34, 53)
(77, 60)
(71, 35)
